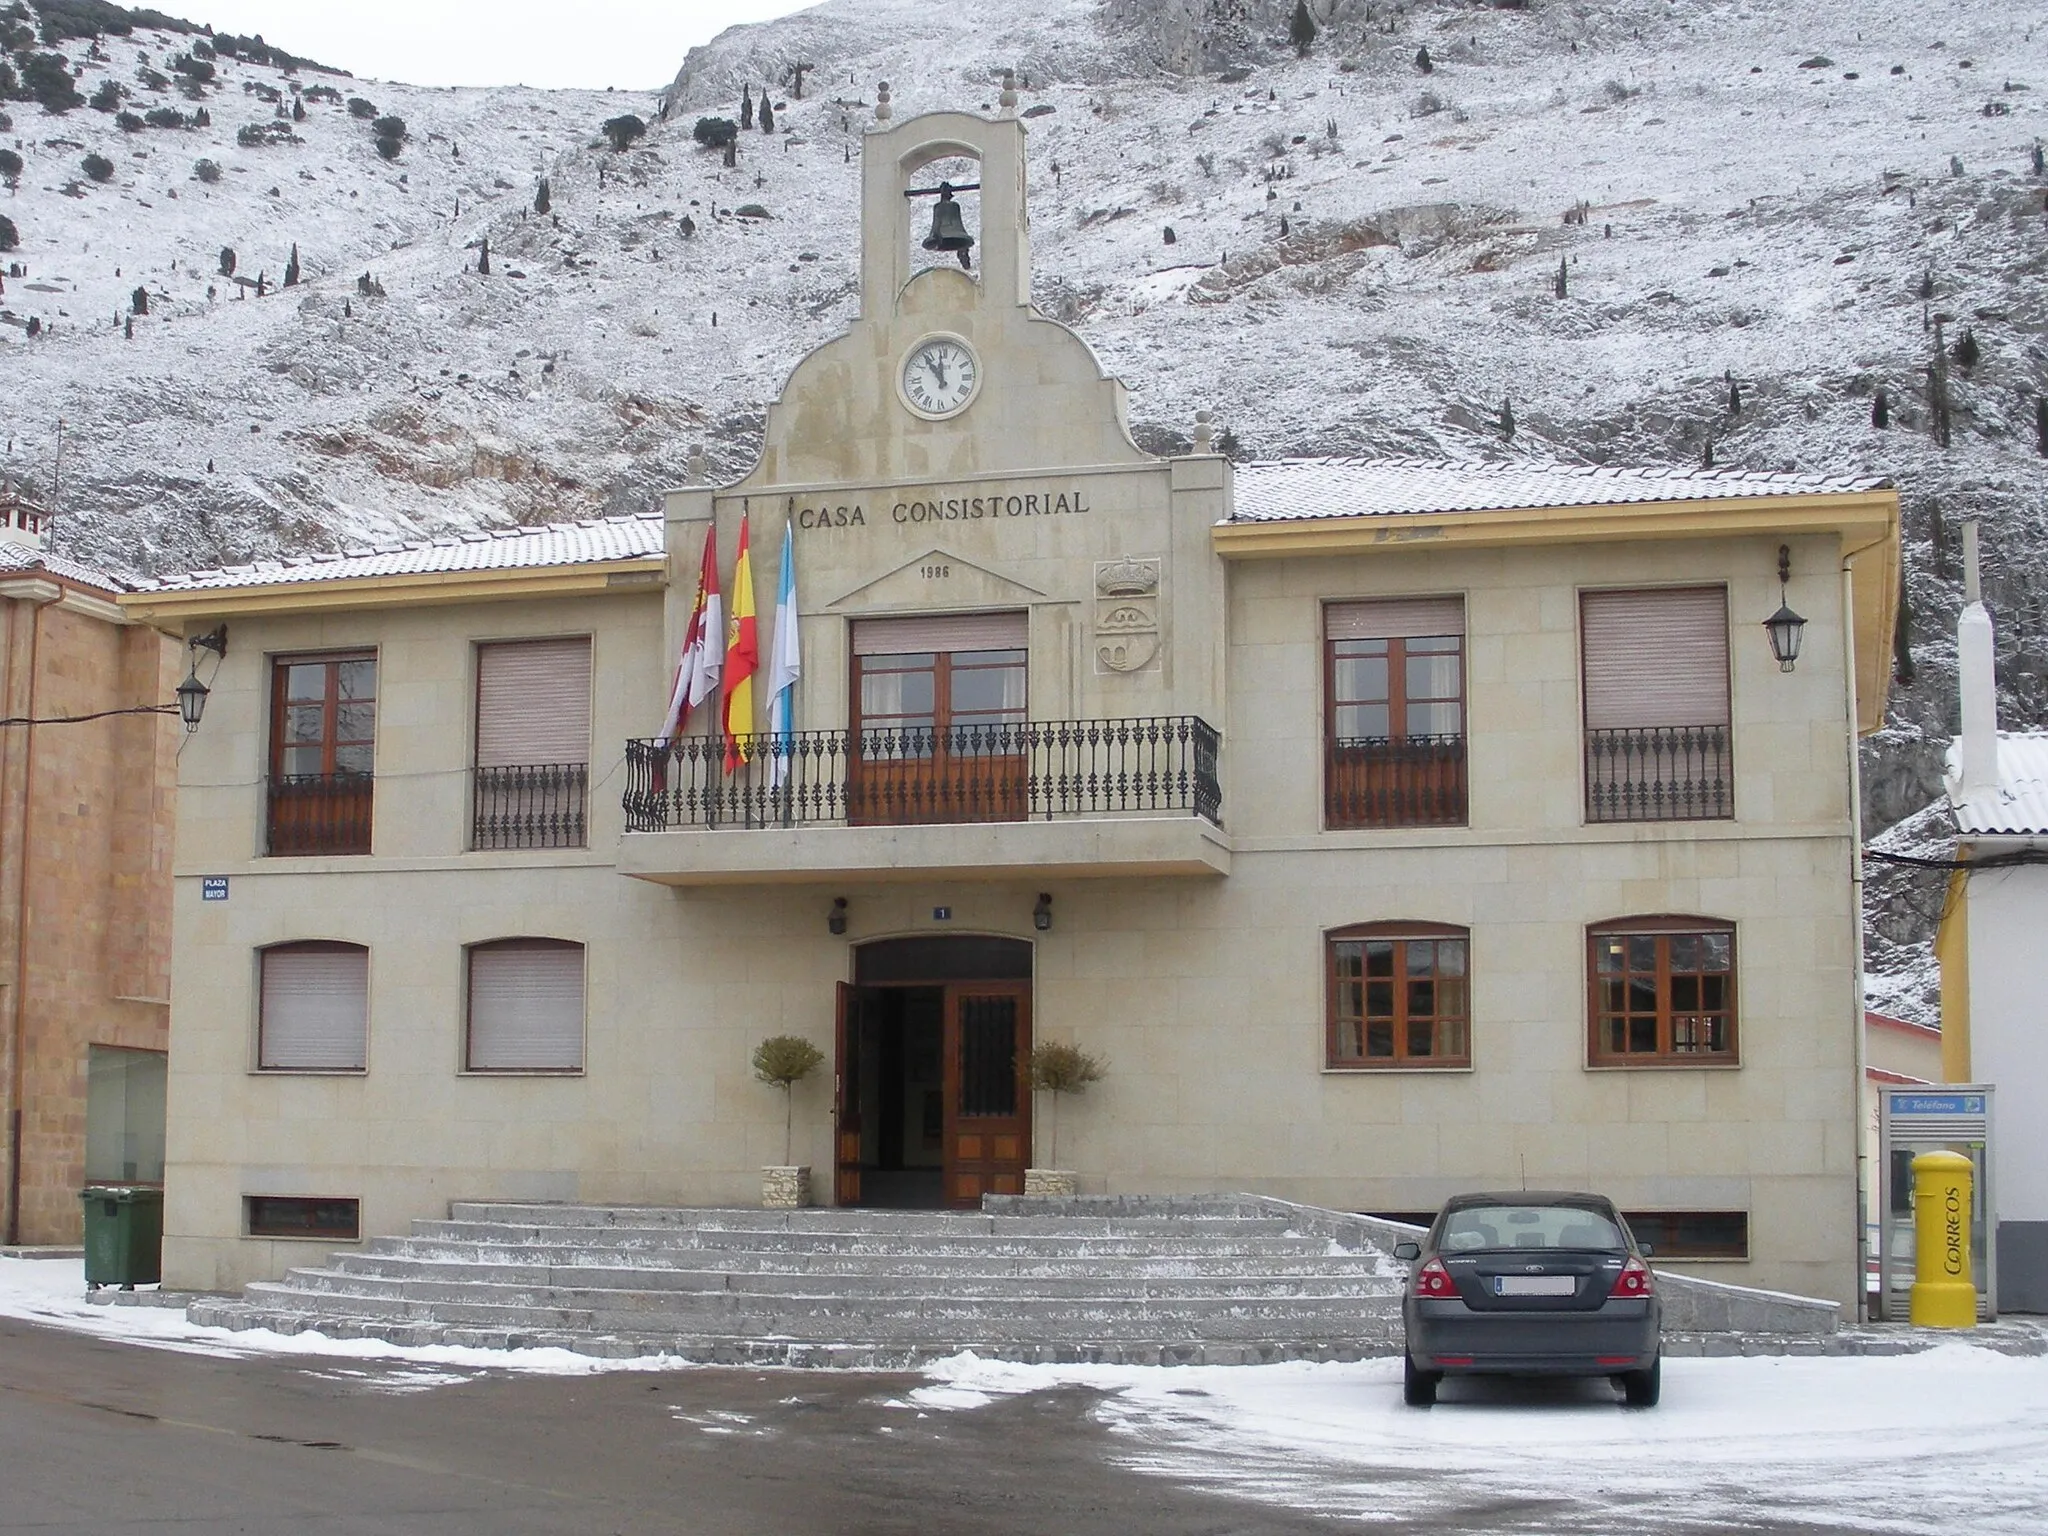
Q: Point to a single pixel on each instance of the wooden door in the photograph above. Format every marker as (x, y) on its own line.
(846, 1097)
(988, 1091)
(939, 735)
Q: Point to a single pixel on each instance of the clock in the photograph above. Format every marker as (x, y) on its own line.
(939, 377)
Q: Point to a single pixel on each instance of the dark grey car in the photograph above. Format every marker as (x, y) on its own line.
(1531, 1283)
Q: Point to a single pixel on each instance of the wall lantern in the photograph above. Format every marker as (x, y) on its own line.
(835, 920)
(1786, 627)
(192, 693)
(1041, 915)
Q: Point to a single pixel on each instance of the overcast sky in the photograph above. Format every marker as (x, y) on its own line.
(632, 44)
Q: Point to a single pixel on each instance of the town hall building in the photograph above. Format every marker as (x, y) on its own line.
(1387, 829)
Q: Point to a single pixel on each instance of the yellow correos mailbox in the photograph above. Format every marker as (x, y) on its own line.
(1944, 1294)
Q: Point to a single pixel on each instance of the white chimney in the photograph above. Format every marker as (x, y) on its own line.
(21, 520)
(1976, 677)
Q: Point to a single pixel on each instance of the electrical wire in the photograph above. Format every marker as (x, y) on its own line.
(100, 714)
(2008, 860)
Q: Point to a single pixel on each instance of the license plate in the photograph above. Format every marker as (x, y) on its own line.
(1535, 1285)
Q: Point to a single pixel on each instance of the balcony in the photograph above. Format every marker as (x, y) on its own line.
(319, 813)
(538, 805)
(1035, 799)
(1660, 773)
(1416, 781)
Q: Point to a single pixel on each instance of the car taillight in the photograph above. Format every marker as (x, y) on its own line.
(1634, 1280)
(1432, 1279)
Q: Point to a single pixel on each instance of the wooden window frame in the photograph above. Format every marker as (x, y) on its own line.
(942, 690)
(280, 670)
(530, 941)
(1400, 934)
(262, 961)
(1397, 700)
(1407, 789)
(1662, 927)
(332, 812)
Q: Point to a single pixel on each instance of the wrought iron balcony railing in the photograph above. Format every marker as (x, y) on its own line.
(320, 813)
(1660, 773)
(1038, 769)
(1378, 781)
(534, 805)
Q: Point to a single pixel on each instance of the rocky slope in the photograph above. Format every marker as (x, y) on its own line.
(1764, 214)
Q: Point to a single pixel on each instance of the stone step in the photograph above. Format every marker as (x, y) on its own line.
(1225, 1219)
(685, 1283)
(554, 1266)
(855, 1241)
(839, 1320)
(743, 1350)
(1136, 1279)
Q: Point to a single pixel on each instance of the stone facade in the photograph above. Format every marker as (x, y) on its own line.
(1187, 949)
(86, 812)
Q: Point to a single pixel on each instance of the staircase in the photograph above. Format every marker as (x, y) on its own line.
(1138, 1280)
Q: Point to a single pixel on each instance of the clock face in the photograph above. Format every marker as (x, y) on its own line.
(940, 375)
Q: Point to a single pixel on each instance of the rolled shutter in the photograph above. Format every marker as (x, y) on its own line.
(940, 632)
(533, 703)
(315, 1008)
(1657, 658)
(1394, 618)
(526, 1006)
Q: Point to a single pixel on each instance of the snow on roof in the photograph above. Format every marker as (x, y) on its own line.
(26, 560)
(2017, 806)
(588, 542)
(1276, 490)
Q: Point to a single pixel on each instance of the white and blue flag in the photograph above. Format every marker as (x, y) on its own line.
(785, 666)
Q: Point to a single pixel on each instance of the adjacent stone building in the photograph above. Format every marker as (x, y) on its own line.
(87, 789)
(1389, 828)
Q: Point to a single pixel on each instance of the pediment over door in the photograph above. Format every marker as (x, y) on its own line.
(937, 579)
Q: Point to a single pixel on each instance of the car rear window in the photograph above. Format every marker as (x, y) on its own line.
(1527, 1226)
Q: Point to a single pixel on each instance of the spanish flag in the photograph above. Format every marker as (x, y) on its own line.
(742, 653)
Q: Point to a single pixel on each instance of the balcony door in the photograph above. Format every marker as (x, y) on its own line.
(938, 721)
(323, 742)
(1394, 682)
(933, 1102)
(1657, 704)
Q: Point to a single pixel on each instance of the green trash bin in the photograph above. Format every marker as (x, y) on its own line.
(124, 1235)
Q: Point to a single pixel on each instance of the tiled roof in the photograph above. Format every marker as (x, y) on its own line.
(1276, 490)
(2017, 806)
(590, 542)
(22, 559)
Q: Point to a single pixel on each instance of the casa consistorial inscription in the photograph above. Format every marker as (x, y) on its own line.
(941, 505)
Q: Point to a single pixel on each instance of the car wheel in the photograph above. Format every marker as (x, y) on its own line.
(1640, 1389)
(1418, 1388)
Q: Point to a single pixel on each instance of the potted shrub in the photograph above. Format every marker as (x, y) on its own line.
(784, 1061)
(1058, 1069)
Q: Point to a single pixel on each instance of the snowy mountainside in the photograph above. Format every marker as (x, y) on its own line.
(1365, 258)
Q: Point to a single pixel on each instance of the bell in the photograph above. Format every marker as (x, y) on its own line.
(949, 230)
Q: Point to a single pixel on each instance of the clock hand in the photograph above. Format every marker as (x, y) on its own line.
(938, 371)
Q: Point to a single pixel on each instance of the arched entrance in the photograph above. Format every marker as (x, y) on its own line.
(932, 1101)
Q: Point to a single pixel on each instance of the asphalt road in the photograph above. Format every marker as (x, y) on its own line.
(118, 1440)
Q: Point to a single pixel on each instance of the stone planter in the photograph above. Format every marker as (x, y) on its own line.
(786, 1188)
(1059, 1183)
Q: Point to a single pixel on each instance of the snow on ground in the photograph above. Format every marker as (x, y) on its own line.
(1952, 1439)
(52, 1292)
